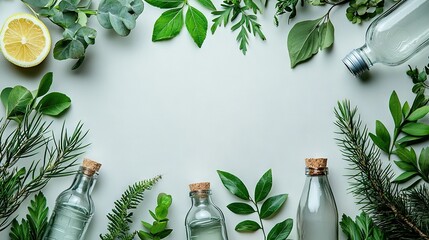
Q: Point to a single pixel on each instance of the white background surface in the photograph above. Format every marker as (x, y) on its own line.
(173, 109)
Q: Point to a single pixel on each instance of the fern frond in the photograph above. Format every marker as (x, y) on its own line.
(121, 216)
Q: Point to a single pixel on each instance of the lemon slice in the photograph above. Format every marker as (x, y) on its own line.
(25, 40)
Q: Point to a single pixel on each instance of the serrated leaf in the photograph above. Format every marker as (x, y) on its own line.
(207, 4)
(326, 34)
(281, 230)
(53, 104)
(234, 185)
(18, 100)
(395, 109)
(418, 113)
(424, 161)
(165, 3)
(240, 208)
(303, 41)
(349, 227)
(197, 25)
(272, 205)
(404, 177)
(247, 226)
(68, 49)
(168, 25)
(44, 85)
(416, 129)
(264, 185)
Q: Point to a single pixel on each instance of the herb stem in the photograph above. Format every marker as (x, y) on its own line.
(260, 219)
(32, 10)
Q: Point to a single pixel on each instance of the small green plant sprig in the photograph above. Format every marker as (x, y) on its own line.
(409, 129)
(72, 16)
(363, 228)
(120, 218)
(158, 229)
(34, 225)
(19, 100)
(270, 207)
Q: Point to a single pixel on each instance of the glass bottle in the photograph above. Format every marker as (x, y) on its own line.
(317, 217)
(204, 221)
(74, 207)
(394, 37)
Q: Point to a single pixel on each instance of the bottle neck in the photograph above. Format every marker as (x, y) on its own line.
(360, 60)
(84, 181)
(316, 171)
(201, 198)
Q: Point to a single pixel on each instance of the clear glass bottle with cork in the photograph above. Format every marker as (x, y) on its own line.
(204, 221)
(317, 217)
(74, 207)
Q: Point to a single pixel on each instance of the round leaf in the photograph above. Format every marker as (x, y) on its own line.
(241, 208)
(272, 205)
(234, 185)
(247, 226)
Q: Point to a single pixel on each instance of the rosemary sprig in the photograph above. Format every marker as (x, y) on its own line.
(30, 155)
(394, 211)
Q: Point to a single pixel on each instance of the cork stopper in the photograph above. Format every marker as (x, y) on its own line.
(90, 166)
(316, 163)
(202, 186)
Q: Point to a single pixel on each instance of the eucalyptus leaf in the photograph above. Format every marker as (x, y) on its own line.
(197, 25)
(264, 185)
(120, 15)
(326, 34)
(39, 3)
(303, 41)
(405, 176)
(165, 3)
(395, 109)
(53, 104)
(418, 113)
(234, 185)
(272, 205)
(168, 25)
(68, 49)
(64, 19)
(44, 85)
(207, 4)
(281, 230)
(240, 208)
(416, 129)
(247, 226)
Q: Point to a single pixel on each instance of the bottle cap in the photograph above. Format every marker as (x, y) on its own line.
(202, 186)
(90, 166)
(316, 163)
(355, 63)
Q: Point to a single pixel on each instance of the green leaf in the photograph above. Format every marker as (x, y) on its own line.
(272, 205)
(168, 25)
(382, 132)
(53, 104)
(406, 155)
(326, 34)
(240, 208)
(144, 235)
(165, 3)
(38, 3)
(44, 85)
(164, 200)
(247, 226)
(164, 233)
(38, 216)
(379, 142)
(407, 139)
(4, 96)
(207, 4)
(18, 100)
(395, 109)
(424, 161)
(405, 166)
(303, 41)
(406, 109)
(234, 185)
(281, 230)
(158, 227)
(416, 129)
(121, 15)
(197, 25)
(263, 187)
(146, 225)
(405, 176)
(418, 113)
(68, 49)
(161, 212)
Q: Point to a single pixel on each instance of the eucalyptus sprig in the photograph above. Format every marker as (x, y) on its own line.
(158, 229)
(270, 206)
(35, 223)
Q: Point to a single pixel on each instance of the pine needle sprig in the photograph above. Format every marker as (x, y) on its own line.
(21, 172)
(121, 216)
(371, 182)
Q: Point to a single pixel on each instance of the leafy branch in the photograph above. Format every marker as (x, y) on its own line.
(158, 229)
(397, 213)
(270, 207)
(362, 228)
(121, 216)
